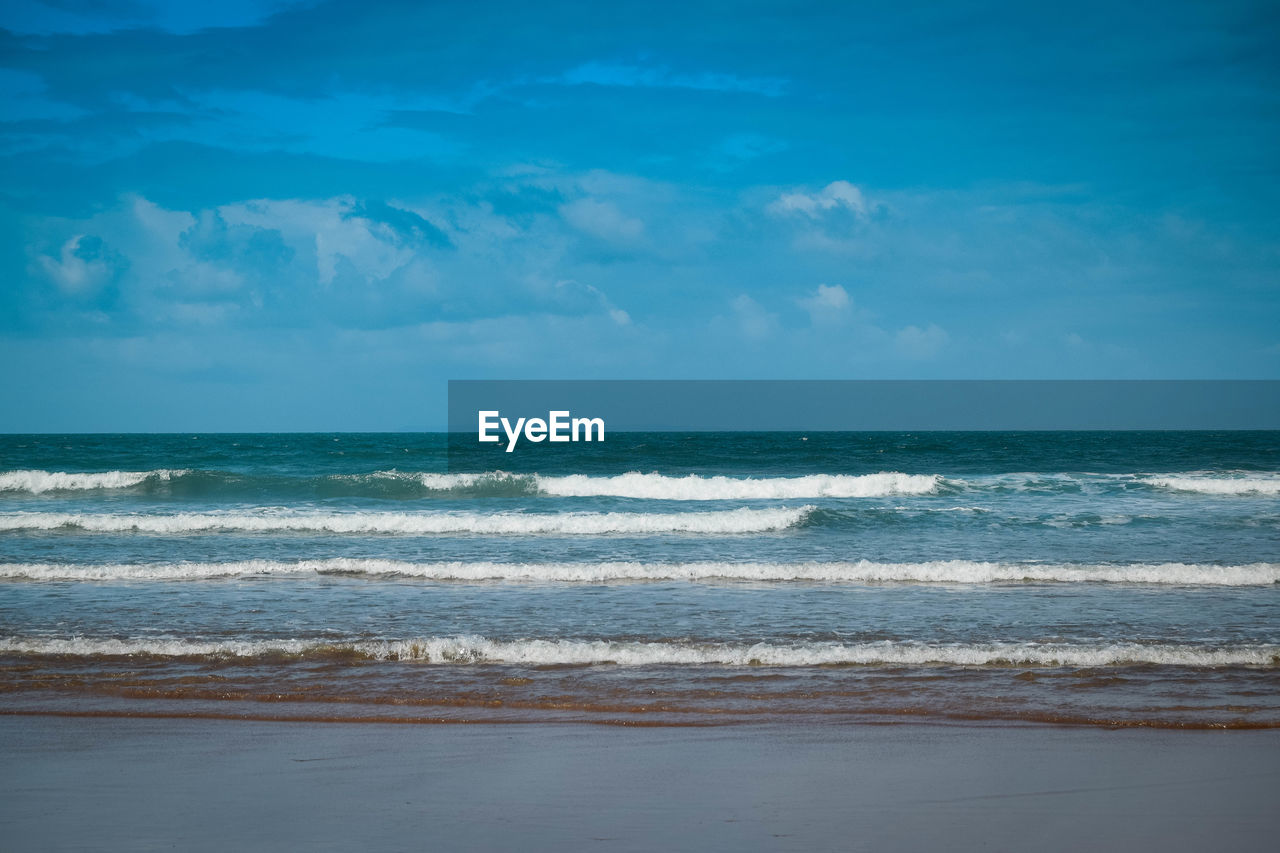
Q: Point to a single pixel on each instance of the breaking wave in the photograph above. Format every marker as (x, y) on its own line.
(650, 486)
(38, 482)
(863, 571)
(697, 488)
(408, 484)
(534, 652)
(1207, 485)
(425, 523)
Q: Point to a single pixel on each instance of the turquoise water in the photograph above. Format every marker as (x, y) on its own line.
(1113, 578)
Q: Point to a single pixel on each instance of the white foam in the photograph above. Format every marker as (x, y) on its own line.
(863, 571)
(450, 482)
(698, 488)
(38, 482)
(632, 485)
(419, 523)
(694, 487)
(691, 487)
(1208, 485)
(534, 652)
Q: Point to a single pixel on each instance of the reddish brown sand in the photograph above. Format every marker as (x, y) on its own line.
(150, 784)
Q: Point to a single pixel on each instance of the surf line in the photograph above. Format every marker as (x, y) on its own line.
(559, 425)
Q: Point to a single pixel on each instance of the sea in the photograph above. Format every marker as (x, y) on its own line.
(984, 578)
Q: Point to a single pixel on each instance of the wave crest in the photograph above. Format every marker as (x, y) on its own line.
(700, 488)
(1219, 485)
(538, 652)
(409, 484)
(425, 523)
(862, 571)
(38, 482)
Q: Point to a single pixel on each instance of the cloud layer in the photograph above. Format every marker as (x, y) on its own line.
(240, 217)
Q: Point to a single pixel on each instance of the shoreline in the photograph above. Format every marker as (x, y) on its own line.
(141, 784)
(816, 721)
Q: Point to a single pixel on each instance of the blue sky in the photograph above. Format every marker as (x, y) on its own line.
(309, 215)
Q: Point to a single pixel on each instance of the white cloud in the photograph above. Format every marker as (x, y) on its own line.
(916, 343)
(572, 291)
(602, 219)
(837, 195)
(827, 305)
(140, 246)
(72, 272)
(753, 321)
(333, 231)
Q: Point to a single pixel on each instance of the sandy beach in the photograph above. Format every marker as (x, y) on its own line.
(150, 784)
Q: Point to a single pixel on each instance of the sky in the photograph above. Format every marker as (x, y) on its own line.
(274, 215)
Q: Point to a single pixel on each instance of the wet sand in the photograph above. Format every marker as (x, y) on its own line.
(146, 784)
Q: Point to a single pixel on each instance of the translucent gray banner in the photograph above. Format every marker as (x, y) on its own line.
(858, 405)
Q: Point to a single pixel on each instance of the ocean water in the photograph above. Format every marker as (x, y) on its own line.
(1112, 579)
